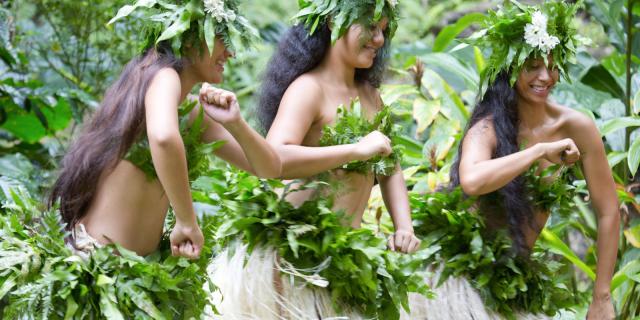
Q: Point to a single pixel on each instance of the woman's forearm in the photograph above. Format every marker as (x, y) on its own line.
(302, 162)
(608, 233)
(490, 175)
(170, 163)
(396, 199)
(260, 155)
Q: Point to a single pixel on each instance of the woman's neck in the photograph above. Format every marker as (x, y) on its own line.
(335, 70)
(531, 114)
(188, 79)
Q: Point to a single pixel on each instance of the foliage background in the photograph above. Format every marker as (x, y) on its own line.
(58, 57)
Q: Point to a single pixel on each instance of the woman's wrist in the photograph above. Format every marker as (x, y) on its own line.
(235, 126)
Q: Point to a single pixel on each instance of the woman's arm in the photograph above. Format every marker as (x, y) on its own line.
(602, 191)
(479, 174)
(396, 199)
(299, 109)
(244, 147)
(169, 159)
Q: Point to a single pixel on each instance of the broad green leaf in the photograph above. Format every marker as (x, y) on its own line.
(448, 33)
(108, 308)
(209, 33)
(25, 127)
(58, 116)
(634, 156)
(126, 10)
(424, 112)
(556, 245)
(619, 123)
(178, 27)
(615, 158)
(633, 235)
(480, 62)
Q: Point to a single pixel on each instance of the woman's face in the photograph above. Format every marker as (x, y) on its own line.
(209, 67)
(362, 42)
(536, 80)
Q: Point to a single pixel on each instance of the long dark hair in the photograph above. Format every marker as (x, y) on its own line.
(108, 135)
(297, 53)
(499, 105)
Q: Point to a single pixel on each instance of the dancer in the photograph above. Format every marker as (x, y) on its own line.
(337, 53)
(136, 156)
(514, 134)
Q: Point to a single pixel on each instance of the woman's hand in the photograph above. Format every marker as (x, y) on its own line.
(601, 308)
(562, 151)
(186, 240)
(221, 105)
(404, 241)
(371, 145)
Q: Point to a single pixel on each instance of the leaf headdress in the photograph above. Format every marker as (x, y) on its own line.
(341, 14)
(516, 32)
(189, 22)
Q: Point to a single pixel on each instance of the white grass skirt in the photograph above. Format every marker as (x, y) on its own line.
(258, 289)
(455, 299)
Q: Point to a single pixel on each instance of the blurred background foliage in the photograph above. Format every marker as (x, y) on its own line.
(57, 57)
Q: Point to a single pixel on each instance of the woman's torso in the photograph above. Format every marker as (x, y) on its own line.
(350, 191)
(554, 128)
(130, 204)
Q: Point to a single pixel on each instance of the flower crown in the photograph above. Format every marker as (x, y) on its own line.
(190, 22)
(344, 13)
(517, 32)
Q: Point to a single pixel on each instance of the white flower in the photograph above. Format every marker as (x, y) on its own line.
(392, 3)
(539, 20)
(536, 35)
(216, 9)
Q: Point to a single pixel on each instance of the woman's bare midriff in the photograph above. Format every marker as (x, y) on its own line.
(349, 191)
(128, 209)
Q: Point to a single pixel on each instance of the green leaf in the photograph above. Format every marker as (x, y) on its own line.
(634, 157)
(178, 27)
(424, 112)
(449, 32)
(126, 10)
(209, 33)
(25, 127)
(554, 243)
(619, 123)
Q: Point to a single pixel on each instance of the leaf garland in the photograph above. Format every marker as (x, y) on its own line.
(504, 32)
(456, 236)
(342, 14)
(360, 270)
(351, 126)
(190, 23)
(40, 277)
(555, 196)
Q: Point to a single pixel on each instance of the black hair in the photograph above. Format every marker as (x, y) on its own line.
(499, 105)
(299, 52)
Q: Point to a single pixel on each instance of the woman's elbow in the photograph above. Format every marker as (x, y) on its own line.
(470, 186)
(164, 140)
(270, 172)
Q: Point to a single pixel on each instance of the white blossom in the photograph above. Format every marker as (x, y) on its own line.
(216, 9)
(393, 3)
(536, 35)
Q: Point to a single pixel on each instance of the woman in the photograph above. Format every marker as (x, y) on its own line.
(130, 164)
(516, 128)
(322, 63)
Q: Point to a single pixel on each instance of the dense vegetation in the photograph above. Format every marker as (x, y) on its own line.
(57, 57)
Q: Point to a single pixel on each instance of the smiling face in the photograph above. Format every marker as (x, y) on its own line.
(536, 80)
(209, 67)
(360, 45)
